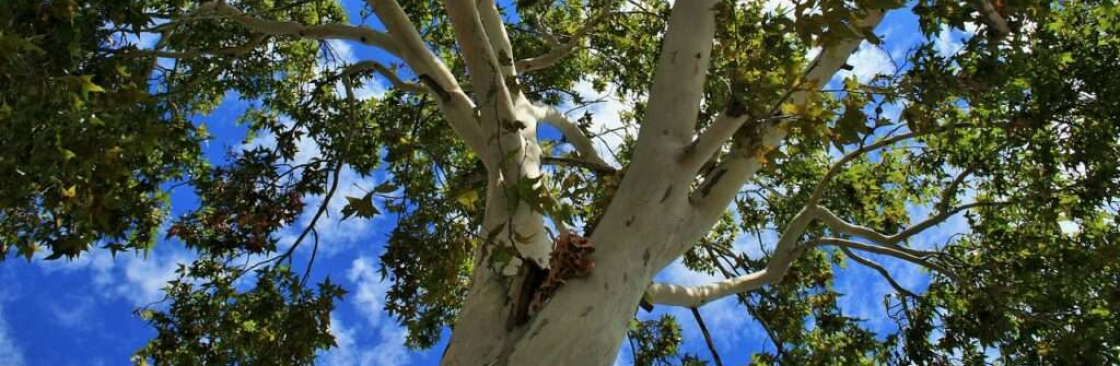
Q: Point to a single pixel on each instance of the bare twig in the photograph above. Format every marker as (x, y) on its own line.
(707, 336)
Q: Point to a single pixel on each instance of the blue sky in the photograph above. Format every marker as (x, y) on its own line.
(81, 312)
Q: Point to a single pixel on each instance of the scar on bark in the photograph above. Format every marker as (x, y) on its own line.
(570, 258)
(666, 195)
(432, 84)
(519, 313)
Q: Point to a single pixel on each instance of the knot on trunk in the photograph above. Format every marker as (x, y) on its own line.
(570, 258)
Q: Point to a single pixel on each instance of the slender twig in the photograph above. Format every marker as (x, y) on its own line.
(878, 268)
(707, 336)
(311, 262)
(319, 213)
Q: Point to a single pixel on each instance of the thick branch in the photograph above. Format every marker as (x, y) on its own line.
(458, 109)
(722, 184)
(784, 254)
(838, 225)
(573, 134)
(678, 83)
(496, 102)
(711, 140)
(990, 16)
(727, 178)
(321, 32)
(496, 33)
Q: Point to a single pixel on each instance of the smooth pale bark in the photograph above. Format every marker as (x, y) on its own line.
(591, 314)
(649, 222)
(728, 177)
(325, 31)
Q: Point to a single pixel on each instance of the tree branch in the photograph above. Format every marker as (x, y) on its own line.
(878, 268)
(457, 107)
(891, 252)
(678, 83)
(721, 185)
(495, 100)
(990, 16)
(321, 32)
(573, 134)
(560, 51)
(370, 65)
(784, 254)
(499, 40)
(226, 51)
(728, 177)
(837, 224)
(711, 140)
(707, 336)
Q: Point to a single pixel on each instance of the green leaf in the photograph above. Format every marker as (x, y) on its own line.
(362, 207)
(87, 85)
(468, 198)
(67, 154)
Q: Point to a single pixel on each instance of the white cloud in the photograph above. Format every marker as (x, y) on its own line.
(74, 313)
(134, 277)
(390, 351)
(863, 292)
(945, 43)
(335, 234)
(369, 293)
(10, 352)
(388, 348)
(867, 62)
(370, 89)
(342, 50)
(345, 353)
(771, 6)
(144, 278)
(344, 53)
(607, 121)
(747, 243)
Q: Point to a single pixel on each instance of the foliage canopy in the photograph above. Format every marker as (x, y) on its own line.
(1017, 131)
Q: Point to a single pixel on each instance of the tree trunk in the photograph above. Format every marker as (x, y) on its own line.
(585, 321)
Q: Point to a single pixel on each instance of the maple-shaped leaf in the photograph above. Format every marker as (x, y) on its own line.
(362, 207)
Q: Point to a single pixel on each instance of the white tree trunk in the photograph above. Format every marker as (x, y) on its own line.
(585, 321)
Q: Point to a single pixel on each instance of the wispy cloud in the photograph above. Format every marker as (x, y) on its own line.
(10, 352)
(137, 278)
(388, 348)
(867, 62)
(607, 122)
(369, 290)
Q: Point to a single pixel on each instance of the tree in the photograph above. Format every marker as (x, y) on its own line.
(531, 246)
